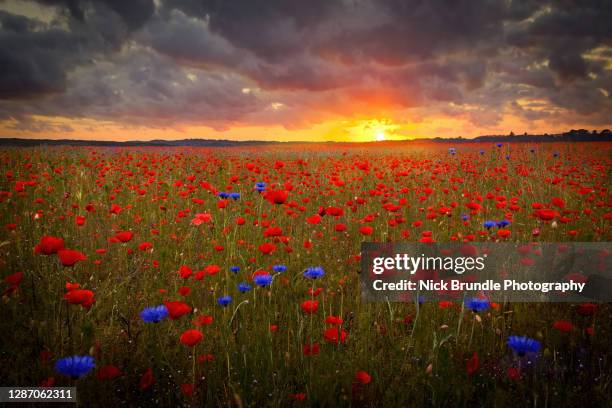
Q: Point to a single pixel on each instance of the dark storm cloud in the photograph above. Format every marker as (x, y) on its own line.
(71, 6)
(566, 31)
(188, 40)
(272, 29)
(184, 61)
(16, 24)
(33, 63)
(133, 12)
(36, 58)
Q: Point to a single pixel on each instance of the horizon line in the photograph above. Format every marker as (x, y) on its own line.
(606, 133)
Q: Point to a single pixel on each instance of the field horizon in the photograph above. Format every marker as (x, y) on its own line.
(573, 136)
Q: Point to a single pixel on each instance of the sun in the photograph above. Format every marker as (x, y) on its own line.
(370, 130)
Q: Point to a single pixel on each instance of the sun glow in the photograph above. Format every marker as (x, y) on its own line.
(380, 136)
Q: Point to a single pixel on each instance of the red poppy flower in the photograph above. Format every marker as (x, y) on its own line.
(81, 297)
(587, 309)
(212, 269)
(14, 279)
(267, 248)
(558, 202)
(333, 320)
(201, 218)
(563, 325)
(546, 215)
(205, 357)
(124, 236)
(310, 306)
(503, 233)
(44, 356)
(273, 232)
(300, 396)
(49, 245)
(191, 337)
(115, 209)
(108, 372)
(445, 304)
(69, 257)
(184, 290)
(315, 219)
(185, 271)
(80, 220)
(311, 349)
(145, 245)
(147, 380)
(314, 292)
(72, 286)
(514, 373)
(177, 309)
(187, 389)
(48, 382)
(335, 335)
(363, 377)
(203, 320)
(472, 364)
(367, 230)
(277, 196)
(334, 211)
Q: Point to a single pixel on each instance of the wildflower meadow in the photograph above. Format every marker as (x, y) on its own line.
(151, 276)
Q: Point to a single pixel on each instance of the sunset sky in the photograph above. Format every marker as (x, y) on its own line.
(348, 70)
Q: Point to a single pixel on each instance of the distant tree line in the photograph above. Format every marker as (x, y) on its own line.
(574, 135)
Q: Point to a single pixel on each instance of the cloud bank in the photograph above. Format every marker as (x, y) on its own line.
(174, 64)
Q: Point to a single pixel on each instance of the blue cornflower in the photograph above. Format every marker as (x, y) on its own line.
(279, 268)
(224, 300)
(532, 150)
(499, 145)
(244, 287)
(556, 154)
(502, 223)
(465, 217)
(223, 195)
(489, 224)
(452, 151)
(154, 314)
(523, 344)
(234, 269)
(482, 152)
(477, 305)
(74, 366)
(260, 186)
(314, 272)
(263, 280)
(508, 157)
(234, 196)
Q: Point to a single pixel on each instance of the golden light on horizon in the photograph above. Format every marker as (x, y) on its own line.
(368, 130)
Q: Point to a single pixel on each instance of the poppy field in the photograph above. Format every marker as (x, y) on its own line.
(230, 277)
